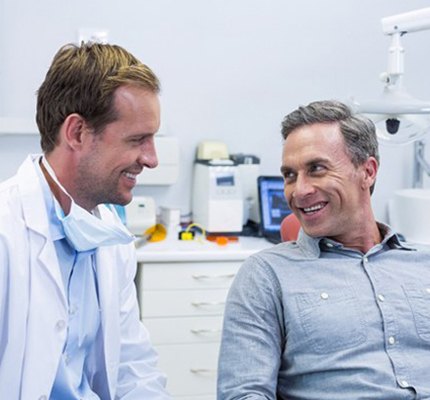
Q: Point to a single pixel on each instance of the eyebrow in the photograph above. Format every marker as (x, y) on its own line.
(313, 161)
(140, 135)
(318, 160)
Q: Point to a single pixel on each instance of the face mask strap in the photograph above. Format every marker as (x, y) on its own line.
(51, 173)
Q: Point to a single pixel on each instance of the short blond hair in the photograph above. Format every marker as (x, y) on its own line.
(83, 79)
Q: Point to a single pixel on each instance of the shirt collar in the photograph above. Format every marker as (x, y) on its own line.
(312, 246)
(392, 239)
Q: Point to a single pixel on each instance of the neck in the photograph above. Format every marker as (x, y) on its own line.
(364, 240)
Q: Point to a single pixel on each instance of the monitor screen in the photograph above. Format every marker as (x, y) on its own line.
(273, 206)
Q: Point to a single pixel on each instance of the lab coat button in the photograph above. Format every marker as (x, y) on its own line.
(324, 295)
(60, 325)
(391, 340)
(381, 297)
(404, 384)
(43, 397)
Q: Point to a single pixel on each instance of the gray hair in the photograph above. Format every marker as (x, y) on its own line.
(358, 131)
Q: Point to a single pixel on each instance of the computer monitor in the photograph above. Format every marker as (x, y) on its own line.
(273, 206)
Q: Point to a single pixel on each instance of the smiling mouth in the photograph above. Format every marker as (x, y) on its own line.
(130, 175)
(313, 209)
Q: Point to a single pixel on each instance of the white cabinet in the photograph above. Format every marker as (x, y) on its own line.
(182, 290)
(182, 305)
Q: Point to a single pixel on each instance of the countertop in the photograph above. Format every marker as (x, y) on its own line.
(200, 250)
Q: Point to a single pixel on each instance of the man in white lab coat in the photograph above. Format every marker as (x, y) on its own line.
(69, 321)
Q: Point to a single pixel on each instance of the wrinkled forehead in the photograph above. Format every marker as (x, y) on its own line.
(314, 142)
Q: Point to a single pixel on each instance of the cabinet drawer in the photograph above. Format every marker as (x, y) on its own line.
(170, 303)
(190, 369)
(184, 330)
(191, 275)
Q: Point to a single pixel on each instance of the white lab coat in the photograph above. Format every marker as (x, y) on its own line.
(33, 306)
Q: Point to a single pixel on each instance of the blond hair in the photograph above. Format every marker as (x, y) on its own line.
(83, 79)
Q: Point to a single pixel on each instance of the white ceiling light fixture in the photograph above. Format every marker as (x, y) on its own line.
(399, 117)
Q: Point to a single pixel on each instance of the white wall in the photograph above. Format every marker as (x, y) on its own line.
(230, 70)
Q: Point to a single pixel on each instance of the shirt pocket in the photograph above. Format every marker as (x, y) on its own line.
(331, 319)
(419, 301)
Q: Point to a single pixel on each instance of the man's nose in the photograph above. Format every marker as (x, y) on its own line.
(148, 155)
(303, 186)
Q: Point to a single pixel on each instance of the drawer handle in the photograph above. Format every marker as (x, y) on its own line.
(205, 331)
(208, 303)
(210, 277)
(203, 371)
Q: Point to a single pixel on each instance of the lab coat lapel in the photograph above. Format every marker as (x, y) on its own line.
(36, 219)
(47, 314)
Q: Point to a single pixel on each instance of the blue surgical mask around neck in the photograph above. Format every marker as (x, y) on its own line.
(83, 230)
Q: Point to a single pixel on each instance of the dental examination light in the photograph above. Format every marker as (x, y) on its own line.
(399, 117)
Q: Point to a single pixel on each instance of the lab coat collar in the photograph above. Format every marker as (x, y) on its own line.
(31, 194)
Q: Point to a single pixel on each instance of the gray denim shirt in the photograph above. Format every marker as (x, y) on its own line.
(313, 320)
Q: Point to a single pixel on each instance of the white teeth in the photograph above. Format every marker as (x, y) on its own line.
(313, 208)
(130, 175)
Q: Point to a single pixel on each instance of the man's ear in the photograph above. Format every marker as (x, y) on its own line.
(73, 129)
(370, 169)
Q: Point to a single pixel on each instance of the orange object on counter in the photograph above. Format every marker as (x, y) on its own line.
(222, 240)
